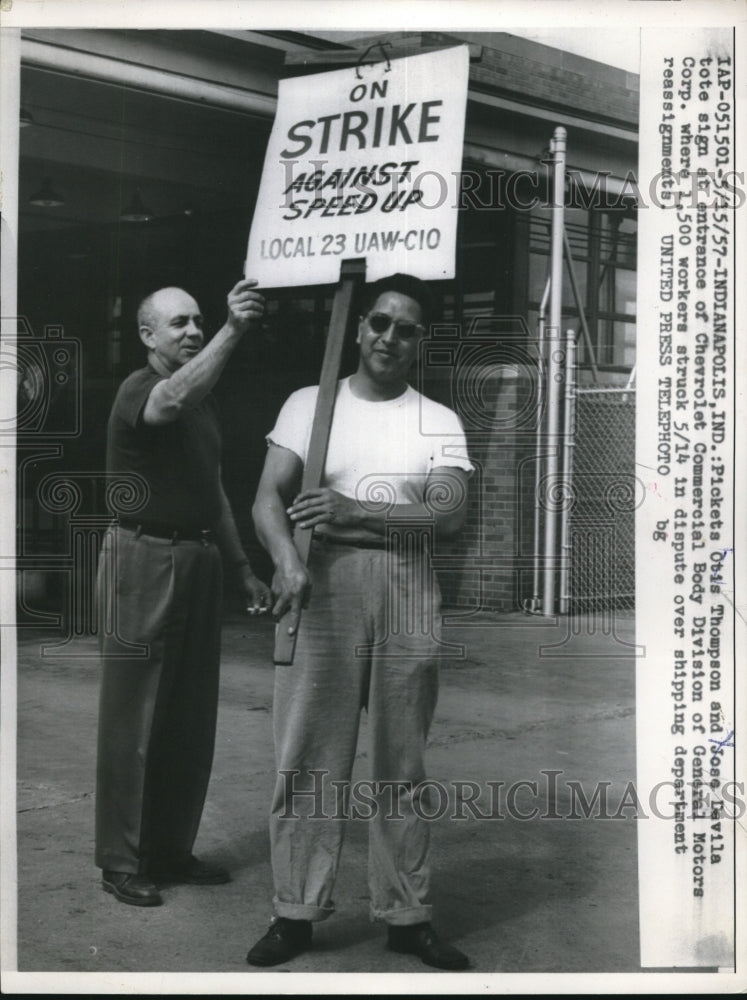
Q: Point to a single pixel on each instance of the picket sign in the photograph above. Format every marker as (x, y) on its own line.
(363, 162)
(361, 179)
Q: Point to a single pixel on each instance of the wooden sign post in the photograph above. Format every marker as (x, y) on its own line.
(352, 273)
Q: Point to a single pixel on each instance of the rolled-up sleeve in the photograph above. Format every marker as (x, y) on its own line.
(292, 428)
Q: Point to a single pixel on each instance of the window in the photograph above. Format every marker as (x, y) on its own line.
(603, 248)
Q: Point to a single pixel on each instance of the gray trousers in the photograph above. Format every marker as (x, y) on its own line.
(160, 616)
(368, 639)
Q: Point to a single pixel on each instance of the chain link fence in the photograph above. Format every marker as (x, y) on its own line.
(605, 493)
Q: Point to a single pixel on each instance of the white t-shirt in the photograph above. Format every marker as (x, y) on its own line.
(379, 451)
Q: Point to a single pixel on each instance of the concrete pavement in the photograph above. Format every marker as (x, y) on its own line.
(553, 894)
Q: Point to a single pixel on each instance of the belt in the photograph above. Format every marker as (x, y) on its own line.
(349, 543)
(173, 534)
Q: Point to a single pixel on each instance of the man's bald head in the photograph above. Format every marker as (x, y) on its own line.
(153, 306)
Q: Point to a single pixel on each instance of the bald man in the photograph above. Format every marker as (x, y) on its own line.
(159, 591)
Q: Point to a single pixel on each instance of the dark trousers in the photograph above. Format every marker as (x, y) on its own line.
(160, 613)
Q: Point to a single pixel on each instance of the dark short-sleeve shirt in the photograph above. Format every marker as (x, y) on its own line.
(180, 461)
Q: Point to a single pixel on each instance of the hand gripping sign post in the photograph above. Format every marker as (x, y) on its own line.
(361, 175)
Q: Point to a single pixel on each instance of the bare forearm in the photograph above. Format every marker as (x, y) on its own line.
(346, 518)
(194, 380)
(446, 523)
(184, 385)
(273, 528)
(228, 535)
(444, 503)
(257, 594)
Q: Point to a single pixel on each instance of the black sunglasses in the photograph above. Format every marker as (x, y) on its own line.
(380, 323)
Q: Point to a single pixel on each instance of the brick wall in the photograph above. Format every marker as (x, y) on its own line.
(538, 75)
(484, 568)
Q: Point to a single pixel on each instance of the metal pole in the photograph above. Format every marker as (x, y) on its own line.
(554, 371)
(533, 604)
(569, 442)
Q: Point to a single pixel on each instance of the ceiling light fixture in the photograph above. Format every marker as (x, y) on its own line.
(46, 196)
(136, 211)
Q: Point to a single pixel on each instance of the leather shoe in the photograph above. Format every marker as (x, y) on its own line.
(422, 940)
(137, 890)
(285, 939)
(194, 872)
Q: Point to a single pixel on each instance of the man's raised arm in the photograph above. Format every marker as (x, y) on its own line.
(193, 380)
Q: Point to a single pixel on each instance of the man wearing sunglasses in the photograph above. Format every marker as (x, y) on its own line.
(368, 637)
